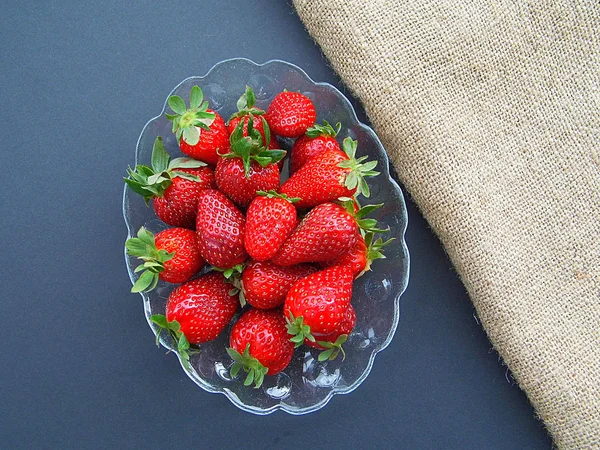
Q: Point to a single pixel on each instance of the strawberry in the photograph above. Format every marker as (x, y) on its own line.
(172, 255)
(316, 305)
(247, 110)
(249, 167)
(317, 139)
(290, 114)
(260, 345)
(200, 131)
(270, 219)
(173, 185)
(197, 312)
(332, 343)
(361, 255)
(265, 285)
(330, 175)
(327, 232)
(220, 229)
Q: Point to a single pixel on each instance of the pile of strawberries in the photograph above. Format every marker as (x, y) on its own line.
(287, 253)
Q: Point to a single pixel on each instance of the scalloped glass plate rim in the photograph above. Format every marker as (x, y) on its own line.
(406, 270)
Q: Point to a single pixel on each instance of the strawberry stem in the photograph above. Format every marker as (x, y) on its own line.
(144, 247)
(245, 105)
(187, 122)
(275, 194)
(323, 130)
(298, 329)
(359, 170)
(333, 349)
(252, 366)
(150, 182)
(179, 339)
(252, 147)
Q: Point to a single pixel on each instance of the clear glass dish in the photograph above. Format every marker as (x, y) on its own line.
(306, 385)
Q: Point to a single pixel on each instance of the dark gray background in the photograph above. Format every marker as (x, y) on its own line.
(79, 367)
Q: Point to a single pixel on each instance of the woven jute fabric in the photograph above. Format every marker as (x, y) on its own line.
(490, 111)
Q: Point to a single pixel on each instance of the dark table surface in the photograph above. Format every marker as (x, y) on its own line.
(79, 367)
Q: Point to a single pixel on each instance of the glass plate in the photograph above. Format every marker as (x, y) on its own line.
(306, 385)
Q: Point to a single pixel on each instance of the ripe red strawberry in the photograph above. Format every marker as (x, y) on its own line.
(260, 345)
(249, 167)
(330, 175)
(316, 305)
(332, 343)
(290, 114)
(270, 220)
(317, 139)
(246, 110)
(361, 255)
(327, 232)
(172, 255)
(220, 228)
(173, 185)
(265, 285)
(200, 131)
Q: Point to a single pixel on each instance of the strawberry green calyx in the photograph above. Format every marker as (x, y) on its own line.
(179, 340)
(188, 122)
(251, 147)
(233, 275)
(245, 105)
(333, 349)
(365, 225)
(275, 194)
(323, 130)
(153, 181)
(374, 249)
(252, 366)
(359, 170)
(298, 329)
(143, 247)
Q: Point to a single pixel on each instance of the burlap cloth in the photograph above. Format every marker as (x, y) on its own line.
(490, 111)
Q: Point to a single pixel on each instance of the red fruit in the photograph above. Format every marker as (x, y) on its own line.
(201, 132)
(355, 258)
(316, 305)
(270, 220)
(327, 232)
(335, 340)
(220, 230)
(202, 307)
(172, 255)
(173, 186)
(330, 175)
(249, 167)
(265, 285)
(186, 261)
(260, 345)
(291, 114)
(179, 204)
(362, 254)
(211, 143)
(316, 140)
(231, 178)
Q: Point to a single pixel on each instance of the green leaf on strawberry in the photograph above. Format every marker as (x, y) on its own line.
(233, 275)
(359, 169)
(150, 182)
(180, 341)
(187, 122)
(143, 247)
(299, 330)
(333, 349)
(252, 366)
(252, 147)
(245, 105)
(323, 130)
(275, 194)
